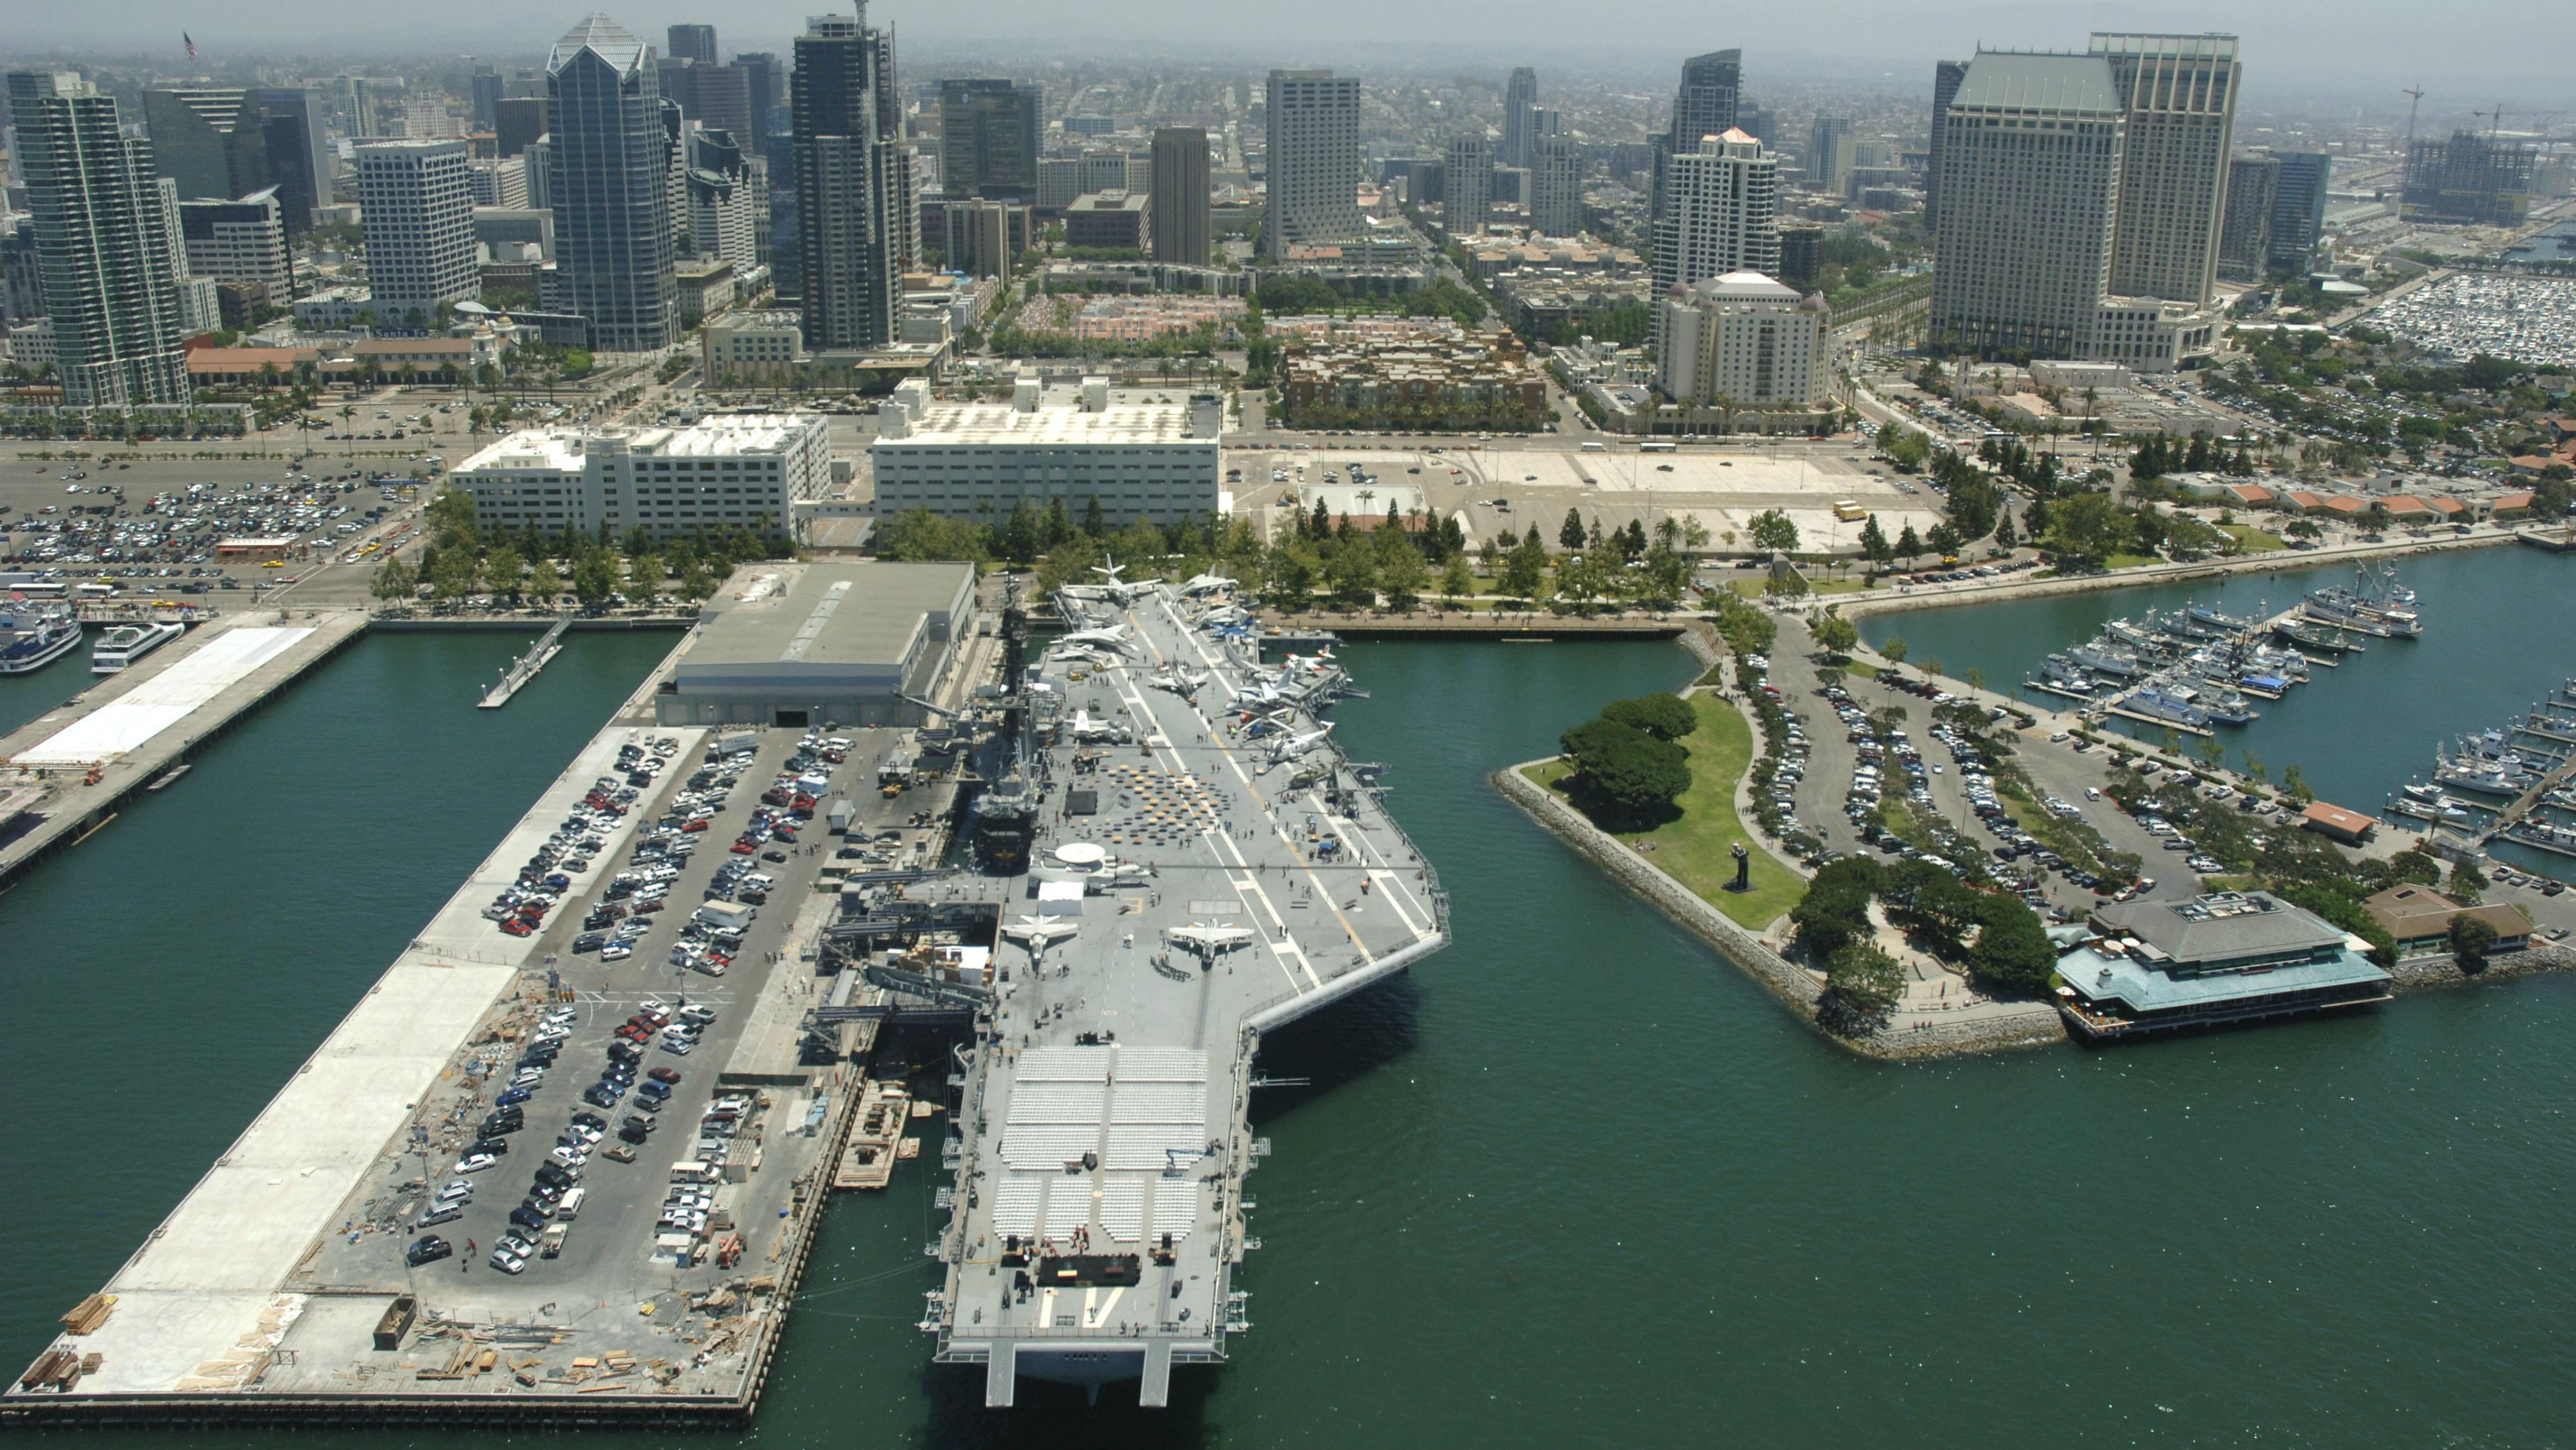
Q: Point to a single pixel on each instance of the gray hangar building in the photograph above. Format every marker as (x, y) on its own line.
(846, 644)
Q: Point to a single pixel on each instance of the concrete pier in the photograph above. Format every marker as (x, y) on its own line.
(114, 738)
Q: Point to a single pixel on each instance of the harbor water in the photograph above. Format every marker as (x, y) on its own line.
(1573, 1182)
(2499, 634)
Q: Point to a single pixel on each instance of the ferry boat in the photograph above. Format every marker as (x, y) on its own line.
(2172, 704)
(2226, 707)
(33, 636)
(2224, 623)
(127, 643)
(2123, 633)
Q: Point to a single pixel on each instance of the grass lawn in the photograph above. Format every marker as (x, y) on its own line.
(1861, 671)
(1693, 849)
(2129, 561)
(2251, 539)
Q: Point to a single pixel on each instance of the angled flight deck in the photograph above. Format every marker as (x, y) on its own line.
(1205, 866)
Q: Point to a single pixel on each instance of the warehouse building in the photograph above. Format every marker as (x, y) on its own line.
(1152, 461)
(731, 471)
(2150, 966)
(839, 644)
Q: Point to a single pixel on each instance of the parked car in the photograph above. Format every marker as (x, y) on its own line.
(427, 1249)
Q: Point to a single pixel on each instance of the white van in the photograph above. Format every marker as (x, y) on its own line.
(570, 1206)
(690, 1170)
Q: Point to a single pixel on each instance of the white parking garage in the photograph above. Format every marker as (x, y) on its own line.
(813, 644)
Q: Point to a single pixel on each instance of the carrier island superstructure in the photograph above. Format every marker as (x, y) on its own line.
(1197, 863)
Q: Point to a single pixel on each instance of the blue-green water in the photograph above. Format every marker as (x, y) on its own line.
(24, 697)
(1574, 1182)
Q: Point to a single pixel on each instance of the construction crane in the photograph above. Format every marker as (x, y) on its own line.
(2414, 103)
(2494, 119)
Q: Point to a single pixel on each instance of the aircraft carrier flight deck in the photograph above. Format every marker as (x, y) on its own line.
(1178, 858)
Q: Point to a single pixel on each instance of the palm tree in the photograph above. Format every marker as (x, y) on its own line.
(347, 412)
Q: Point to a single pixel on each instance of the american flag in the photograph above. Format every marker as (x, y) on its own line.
(191, 44)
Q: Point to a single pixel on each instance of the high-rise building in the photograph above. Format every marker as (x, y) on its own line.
(1556, 184)
(2245, 238)
(719, 97)
(2299, 209)
(1946, 75)
(199, 308)
(852, 183)
(2178, 100)
(417, 205)
(486, 84)
(693, 42)
(237, 241)
(1829, 154)
(102, 244)
(979, 238)
(728, 199)
(1712, 89)
(1802, 255)
(517, 123)
(227, 143)
(1470, 203)
(1180, 192)
(2469, 179)
(1721, 213)
(1519, 95)
(1314, 159)
(760, 85)
(989, 140)
(2030, 190)
(609, 184)
(1744, 340)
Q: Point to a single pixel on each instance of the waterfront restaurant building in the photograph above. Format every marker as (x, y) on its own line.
(2145, 966)
(839, 644)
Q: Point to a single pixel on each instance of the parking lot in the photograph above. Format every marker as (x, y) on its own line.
(588, 1153)
(153, 528)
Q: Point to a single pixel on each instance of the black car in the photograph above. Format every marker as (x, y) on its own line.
(554, 1175)
(499, 1127)
(599, 1095)
(427, 1249)
(591, 1120)
(528, 1218)
(636, 1125)
(497, 1147)
(589, 941)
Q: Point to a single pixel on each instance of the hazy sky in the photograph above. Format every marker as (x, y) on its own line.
(2518, 48)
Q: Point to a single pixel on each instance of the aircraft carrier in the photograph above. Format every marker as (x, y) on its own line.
(1176, 858)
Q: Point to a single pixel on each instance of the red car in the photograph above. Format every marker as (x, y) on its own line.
(516, 927)
(697, 824)
(745, 848)
(669, 1076)
(647, 908)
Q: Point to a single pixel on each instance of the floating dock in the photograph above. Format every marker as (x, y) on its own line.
(526, 666)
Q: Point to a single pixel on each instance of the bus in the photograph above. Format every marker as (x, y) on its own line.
(1850, 512)
(1592, 447)
(1657, 448)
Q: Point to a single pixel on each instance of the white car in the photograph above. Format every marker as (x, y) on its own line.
(615, 952)
(475, 1162)
(507, 1262)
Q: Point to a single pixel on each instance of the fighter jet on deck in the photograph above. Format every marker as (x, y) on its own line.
(1208, 940)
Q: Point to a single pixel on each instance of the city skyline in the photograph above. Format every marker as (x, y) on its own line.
(2351, 56)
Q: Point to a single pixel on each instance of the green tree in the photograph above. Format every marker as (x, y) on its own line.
(1525, 568)
(1401, 572)
(1774, 531)
(501, 571)
(1894, 650)
(2012, 949)
(1623, 776)
(1570, 535)
(2087, 525)
(1838, 635)
(395, 580)
(1352, 574)
(454, 575)
(1909, 546)
(1457, 579)
(2468, 884)
(594, 578)
(1873, 542)
(644, 571)
(1664, 716)
(544, 583)
(2005, 539)
(1863, 980)
(2294, 784)
(2471, 940)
